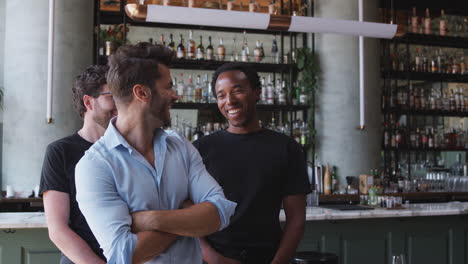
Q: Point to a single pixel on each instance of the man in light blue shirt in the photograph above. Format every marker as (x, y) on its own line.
(137, 168)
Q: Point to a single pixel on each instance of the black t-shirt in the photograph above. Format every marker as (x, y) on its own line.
(58, 174)
(256, 171)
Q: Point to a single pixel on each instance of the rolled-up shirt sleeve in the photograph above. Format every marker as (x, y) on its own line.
(204, 188)
(107, 214)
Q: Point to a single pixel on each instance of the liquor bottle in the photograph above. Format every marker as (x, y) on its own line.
(198, 90)
(417, 60)
(327, 180)
(427, 22)
(171, 44)
(191, 3)
(191, 46)
(334, 180)
(393, 138)
(455, 66)
(272, 7)
(197, 134)
(430, 138)
(424, 139)
(150, 40)
(400, 179)
(221, 50)
(386, 136)
(181, 48)
(452, 102)
(205, 89)
(230, 5)
(245, 53)
(277, 90)
(181, 89)
(252, 6)
(209, 50)
(304, 134)
(282, 93)
(303, 98)
(442, 23)
(200, 50)
(463, 69)
(422, 99)
(436, 139)
(163, 41)
(212, 97)
(294, 94)
(414, 21)
(166, 2)
(258, 51)
(270, 91)
(425, 64)
(263, 95)
(190, 90)
(449, 65)
(411, 96)
(274, 51)
(440, 62)
(399, 136)
(418, 139)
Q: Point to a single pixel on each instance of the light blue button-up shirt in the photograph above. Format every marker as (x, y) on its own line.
(114, 180)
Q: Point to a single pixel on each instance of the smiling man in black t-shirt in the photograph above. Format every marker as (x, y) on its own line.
(258, 169)
(68, 228)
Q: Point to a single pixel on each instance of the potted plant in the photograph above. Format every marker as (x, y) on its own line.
(308, 79)
(111, 38)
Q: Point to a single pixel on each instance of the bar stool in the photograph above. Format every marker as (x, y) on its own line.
(309, 257)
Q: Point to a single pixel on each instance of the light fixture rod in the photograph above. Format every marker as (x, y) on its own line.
(259, 21)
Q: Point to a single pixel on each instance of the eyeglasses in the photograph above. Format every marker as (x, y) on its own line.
(104, 93)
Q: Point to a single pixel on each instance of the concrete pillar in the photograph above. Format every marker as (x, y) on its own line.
(339, 142)
(26, 133)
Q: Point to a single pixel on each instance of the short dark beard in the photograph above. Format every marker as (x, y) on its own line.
(101, 121)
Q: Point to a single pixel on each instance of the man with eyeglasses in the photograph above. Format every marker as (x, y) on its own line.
(67, 226)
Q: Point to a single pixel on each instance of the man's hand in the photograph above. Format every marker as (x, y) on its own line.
(141, 221)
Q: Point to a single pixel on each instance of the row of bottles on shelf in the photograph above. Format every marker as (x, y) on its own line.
(399, 137)
(447, 61)
(434, 25)
(299, 130)
(428, 174)
(421, 98)
(190, 50)
(273, 93)
(298, 7)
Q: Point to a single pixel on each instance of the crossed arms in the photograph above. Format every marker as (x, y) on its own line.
(156, 230)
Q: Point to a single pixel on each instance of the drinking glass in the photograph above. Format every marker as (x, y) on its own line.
(398, 259)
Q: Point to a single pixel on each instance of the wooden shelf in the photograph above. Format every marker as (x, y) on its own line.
(426, 112)
(433, 40)
(424, 149)
(425, 76)
(211, 65)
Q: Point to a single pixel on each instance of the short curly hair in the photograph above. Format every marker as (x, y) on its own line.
(89, 82)
(135, 64)
(249, 71)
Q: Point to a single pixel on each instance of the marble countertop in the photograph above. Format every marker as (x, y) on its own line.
(37, 220)
(22, 220)
(411, 210)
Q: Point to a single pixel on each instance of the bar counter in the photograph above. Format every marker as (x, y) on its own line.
(424, 233)
(37, 220)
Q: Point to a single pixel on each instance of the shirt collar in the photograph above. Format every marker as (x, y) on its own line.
(113, 138)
